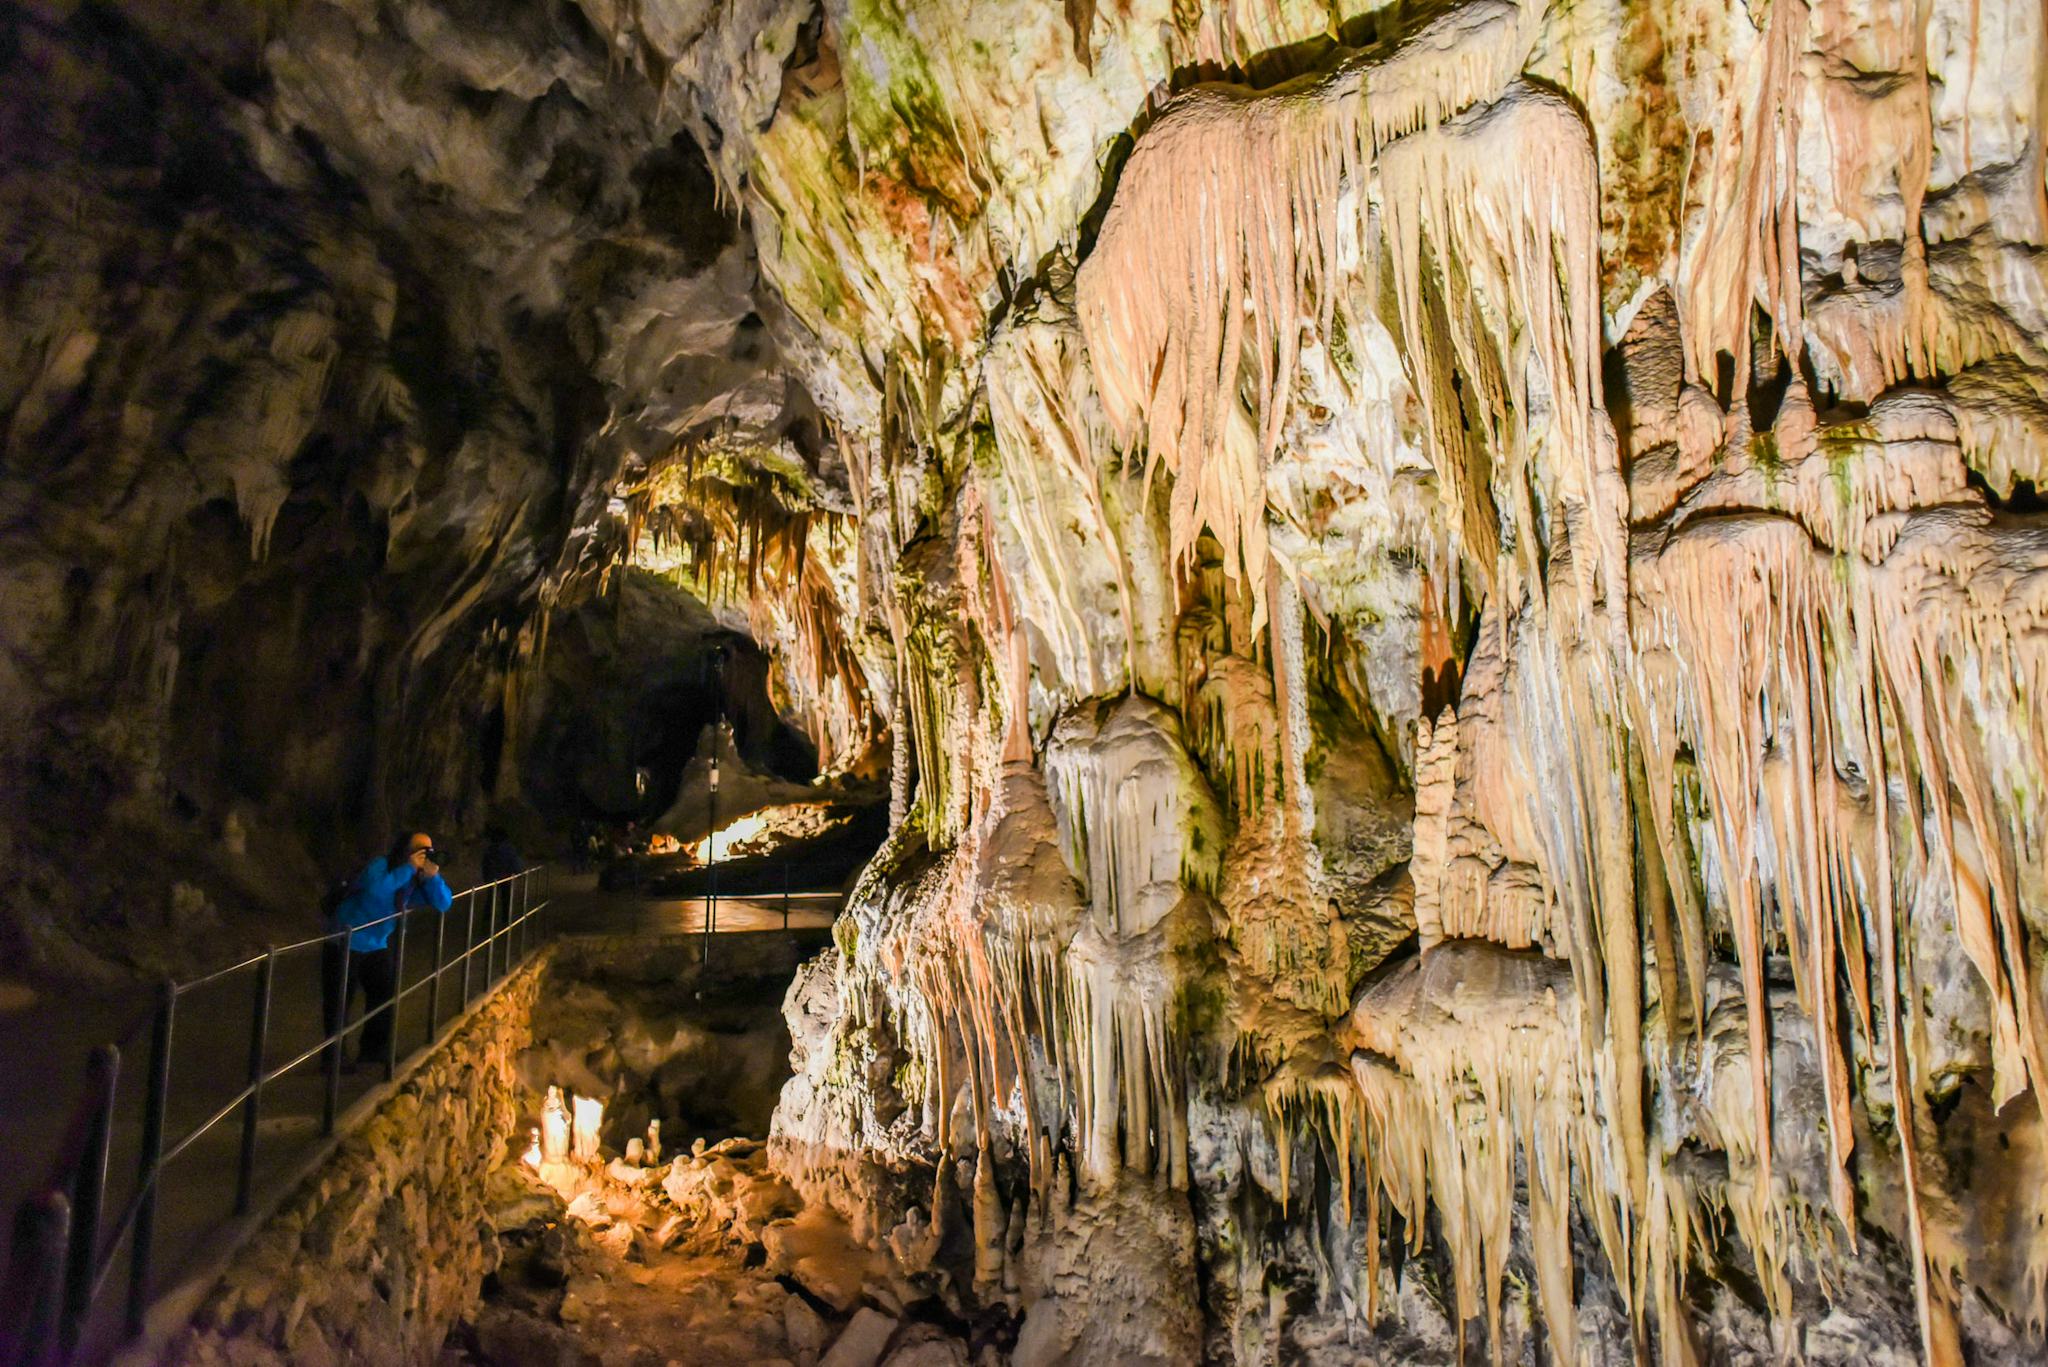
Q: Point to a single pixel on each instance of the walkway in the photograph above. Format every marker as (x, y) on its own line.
(590, 911)
(44, 1048)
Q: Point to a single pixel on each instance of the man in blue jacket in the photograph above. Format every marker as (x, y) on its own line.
(405, 877)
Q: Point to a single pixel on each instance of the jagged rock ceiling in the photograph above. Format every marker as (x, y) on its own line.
(1454, 589)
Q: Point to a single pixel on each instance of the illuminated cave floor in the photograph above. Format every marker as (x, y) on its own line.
(705, 1260)
(675, 1308)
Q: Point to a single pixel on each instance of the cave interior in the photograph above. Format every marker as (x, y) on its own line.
(1419, 633)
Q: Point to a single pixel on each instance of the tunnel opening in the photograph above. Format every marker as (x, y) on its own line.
(634, 685)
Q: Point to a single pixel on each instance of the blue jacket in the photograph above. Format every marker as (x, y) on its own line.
(379, 889)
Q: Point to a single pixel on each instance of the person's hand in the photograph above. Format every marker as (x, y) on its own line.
(428, 868)
(420, 863)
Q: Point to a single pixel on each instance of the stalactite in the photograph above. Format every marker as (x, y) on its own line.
(1464, 1061)
(737, 531)
(1501, 205)
(1034, 374)
(1805, 678)
(1795, 666)
(1135, 824)
(1748, 247)
(1231, 207)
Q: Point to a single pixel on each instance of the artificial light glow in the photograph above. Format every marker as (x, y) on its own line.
(720, 843)
(766, 830)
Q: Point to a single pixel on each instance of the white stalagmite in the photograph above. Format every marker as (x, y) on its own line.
(554, 1127)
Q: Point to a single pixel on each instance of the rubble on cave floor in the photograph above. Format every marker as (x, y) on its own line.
(706, 1259)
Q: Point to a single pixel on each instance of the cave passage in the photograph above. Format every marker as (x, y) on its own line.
(1378, 670)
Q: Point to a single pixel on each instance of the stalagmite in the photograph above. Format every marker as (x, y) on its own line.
(555, 1128)
(587, 1120)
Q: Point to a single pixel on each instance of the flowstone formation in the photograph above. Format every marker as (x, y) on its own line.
(1459, 589)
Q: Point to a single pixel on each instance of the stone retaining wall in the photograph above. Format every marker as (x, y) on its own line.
(386, 1245)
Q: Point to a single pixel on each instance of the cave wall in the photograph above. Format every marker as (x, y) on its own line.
(330, 332)
(387, 1242)
(1458, 583)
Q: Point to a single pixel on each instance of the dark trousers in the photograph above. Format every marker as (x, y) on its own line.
(369, 972)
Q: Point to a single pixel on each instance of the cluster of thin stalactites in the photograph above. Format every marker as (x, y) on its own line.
(1429, 183)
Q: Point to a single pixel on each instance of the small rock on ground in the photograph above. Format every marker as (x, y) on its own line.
(863, 1341)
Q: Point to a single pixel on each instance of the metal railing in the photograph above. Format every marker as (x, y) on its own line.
(65, 1251)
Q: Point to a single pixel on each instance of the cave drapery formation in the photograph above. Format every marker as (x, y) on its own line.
(1454, 592)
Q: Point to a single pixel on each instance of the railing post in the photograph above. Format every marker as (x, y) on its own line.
(434, 988)
(397, 998)
(37, 1287)
(468, 944)
(158, 1097)
(491, 941)
(711, 849)
(785, 892)
(337, 1034)
(252, 1109)
(88, 1196)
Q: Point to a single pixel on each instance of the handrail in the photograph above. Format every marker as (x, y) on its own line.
(64, 1255)
(182, 988)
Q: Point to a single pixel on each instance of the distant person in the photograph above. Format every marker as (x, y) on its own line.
(407, 876)
(501, 857)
